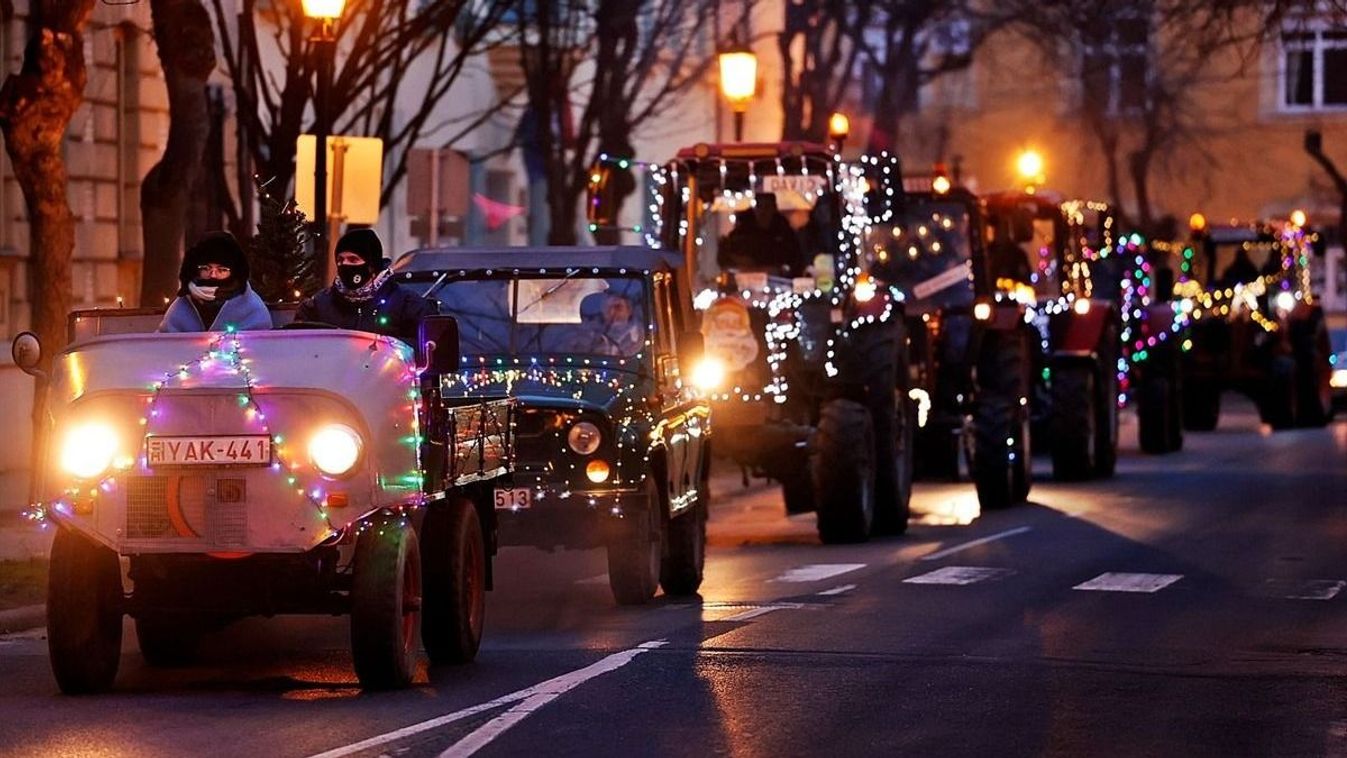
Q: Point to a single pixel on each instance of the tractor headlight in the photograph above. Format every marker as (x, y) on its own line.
(335, 449)
(1338, 379)
(1285, 302)
(88, 450)
(708, 374)
(866, 289)
(584, 438)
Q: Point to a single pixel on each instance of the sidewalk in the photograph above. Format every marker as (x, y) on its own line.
(22, 539)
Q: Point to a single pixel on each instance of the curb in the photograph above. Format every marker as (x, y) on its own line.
(23, 618)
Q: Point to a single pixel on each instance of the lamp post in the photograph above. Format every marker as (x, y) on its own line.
(738, 82)
(324, 50)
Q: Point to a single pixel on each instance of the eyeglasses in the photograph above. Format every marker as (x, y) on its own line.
(214, 271)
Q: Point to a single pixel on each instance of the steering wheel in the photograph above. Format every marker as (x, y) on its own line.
(309, 325)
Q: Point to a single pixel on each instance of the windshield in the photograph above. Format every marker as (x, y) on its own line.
(548, 315)
(925, 251)
(1228, 264)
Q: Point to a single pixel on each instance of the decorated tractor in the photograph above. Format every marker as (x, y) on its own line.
(1154, 331)
(1257, 326)
(612, 445)
(806, 365)
(970, 361)
(262, 473)
(1047, 252)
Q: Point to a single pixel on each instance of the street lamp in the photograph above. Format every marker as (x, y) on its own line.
(1029, 165)
(738, 83)
(324, 50)
(839, 128)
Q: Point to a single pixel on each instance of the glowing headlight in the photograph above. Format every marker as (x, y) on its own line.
(708, 374)
(866, 289)
(584, 438)
(1338, 379)
(88, 450)
(1081, 306)
(1285, 301)
(982, 311)
(335, 449)
(597, 471)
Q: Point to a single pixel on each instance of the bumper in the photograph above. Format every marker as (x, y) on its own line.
(562, 517)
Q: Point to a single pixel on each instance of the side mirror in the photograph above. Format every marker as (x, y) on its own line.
(27, 353)
(438, 340)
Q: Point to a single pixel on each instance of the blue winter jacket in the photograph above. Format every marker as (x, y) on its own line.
(244, 312)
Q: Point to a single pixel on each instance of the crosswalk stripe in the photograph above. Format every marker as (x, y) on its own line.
(1113, 581)
(817, 572)
(1303, 589)
(959, 575)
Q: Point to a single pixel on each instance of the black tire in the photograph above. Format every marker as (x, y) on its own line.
(1201, 405)
(1106, 415)
(998, 452)
(634, 554)
(454, 568)
(1314, 392)
(842, 468)
(1278, 403)
(168, 640)
(1159, 430)
(84, 614)
(1075, 420)
(386, 603)
(684, 561)
(797, 489)
(881, 368)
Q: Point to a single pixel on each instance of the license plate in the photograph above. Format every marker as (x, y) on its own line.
(513, 499)
(243, 450)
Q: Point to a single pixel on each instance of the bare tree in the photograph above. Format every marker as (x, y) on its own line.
(379, 42)
(186, 43)
(36, 105)
(647, 55)
(820, 46)
(1314, 146)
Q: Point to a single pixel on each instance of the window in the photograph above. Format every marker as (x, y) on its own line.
(1313, 69)
(1115, 66)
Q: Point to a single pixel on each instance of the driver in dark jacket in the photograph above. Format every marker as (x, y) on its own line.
(364, 296)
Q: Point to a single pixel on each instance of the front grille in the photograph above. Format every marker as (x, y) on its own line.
(538, 436)
(147, 507)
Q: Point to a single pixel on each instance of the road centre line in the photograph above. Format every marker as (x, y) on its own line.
(838, 590)
(543, 694)
(959, 575)
(974, 543)
(555, 687)
(762, 610)
(816, 572)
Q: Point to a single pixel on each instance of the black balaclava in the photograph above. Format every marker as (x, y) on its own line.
(365, 244)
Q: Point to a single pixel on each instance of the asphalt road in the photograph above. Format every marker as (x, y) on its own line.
(1196, 604)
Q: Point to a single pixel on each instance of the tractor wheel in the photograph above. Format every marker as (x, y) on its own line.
(684, 561)
(1278, 403)
(1075, 423)
(881, 368)
(1314, 392)
(797, 489)
(454, 568)
(999, 453)
(386, 604)
(634, 549)
(842, 465)
(1106, 420)
(1159, 429)
(84, 614)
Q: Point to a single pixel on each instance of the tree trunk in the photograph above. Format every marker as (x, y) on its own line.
(1140, 168)
(186, 42)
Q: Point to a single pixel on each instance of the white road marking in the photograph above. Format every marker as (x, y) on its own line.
(541, 696)
(959, 575)
(1317, 589)
(1124, 582)
(600, 579)
(838, 590)
(555, 686)
(817, 572)
(762, 610)
(974, 543)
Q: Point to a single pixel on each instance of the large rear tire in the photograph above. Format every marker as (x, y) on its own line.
(1075, 423)
(454, 565)
(842, 468)
(1159, 428)
(84, 614)
(999, 459)
(634, 549)
(386, 602)
(1201, 405)
(1278, 403)
(1314, 390)
(684, 561)
(880, 363)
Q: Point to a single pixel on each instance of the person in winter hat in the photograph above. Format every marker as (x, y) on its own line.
(364, 296)
(214, 294)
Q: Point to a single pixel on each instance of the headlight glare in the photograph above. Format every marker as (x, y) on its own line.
(335, 449)
(584, 438)
(708, 374)
(88, 450)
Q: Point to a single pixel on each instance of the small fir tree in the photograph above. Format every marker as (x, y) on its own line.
(284, 266)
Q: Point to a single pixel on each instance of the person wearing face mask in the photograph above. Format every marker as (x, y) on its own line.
(364, 296)
(214, 295)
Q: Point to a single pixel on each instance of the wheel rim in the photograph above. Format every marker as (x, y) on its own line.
(411, 605)
(475, 586)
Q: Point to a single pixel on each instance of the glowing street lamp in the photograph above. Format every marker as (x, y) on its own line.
(839, 128)
(1029, 165)
(738, 83)
(324, 50)
(1299, 218)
